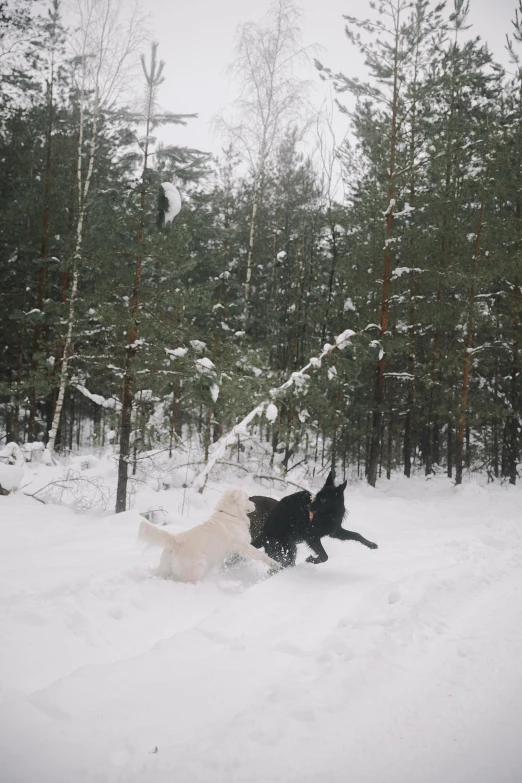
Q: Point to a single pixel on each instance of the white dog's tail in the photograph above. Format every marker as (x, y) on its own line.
(154, 536)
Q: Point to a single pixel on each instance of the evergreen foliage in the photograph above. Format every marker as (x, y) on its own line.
(181, 327)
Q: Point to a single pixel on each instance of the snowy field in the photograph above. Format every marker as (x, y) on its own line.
(402, 665)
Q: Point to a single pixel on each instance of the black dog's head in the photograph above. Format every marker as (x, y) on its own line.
(329, 501)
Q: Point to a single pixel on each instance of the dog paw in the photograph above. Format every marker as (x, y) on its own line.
(371, 545)
(314, 560)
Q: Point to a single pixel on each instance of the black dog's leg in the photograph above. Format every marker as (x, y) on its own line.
(284, 552)
(347, 535)
(289, 553)
(316, 546)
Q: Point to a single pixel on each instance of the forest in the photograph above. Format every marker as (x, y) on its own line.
(362, 294)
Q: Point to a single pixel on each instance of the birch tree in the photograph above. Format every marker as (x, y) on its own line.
(271, 96)
(104, 50)
(54, 43)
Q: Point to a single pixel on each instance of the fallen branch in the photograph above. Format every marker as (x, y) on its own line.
(283, 481)
(296, 464)
(34, 494)
(34, 498)
(78, 487)
(232, 465)
(187, 464)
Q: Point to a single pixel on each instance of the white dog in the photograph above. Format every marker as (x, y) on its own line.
(188, 556)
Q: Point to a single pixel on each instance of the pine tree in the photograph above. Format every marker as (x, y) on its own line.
(186, 163)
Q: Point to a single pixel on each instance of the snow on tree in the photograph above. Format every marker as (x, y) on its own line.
(271, 412)
(173, 198)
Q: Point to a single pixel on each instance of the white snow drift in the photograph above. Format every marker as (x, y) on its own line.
(400, 665)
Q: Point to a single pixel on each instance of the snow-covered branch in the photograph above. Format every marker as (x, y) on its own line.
(341, 341)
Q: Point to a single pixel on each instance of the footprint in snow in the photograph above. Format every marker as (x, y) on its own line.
(465, 650)
(290, 649)
(116, 612)
(304, 714)
(394, 597)
(268, 733)
(30, 618)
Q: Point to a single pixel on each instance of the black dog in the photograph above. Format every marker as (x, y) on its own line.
(300, 518)
(258, 517)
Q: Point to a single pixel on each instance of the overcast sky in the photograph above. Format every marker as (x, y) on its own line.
(196, 40)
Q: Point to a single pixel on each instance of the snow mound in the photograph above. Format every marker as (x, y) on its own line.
(12, 462)
(11, 476)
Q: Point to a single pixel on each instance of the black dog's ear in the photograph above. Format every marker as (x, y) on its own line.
(342, 486)
(330, 479)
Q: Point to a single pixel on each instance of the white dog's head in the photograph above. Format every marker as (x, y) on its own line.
(235, 502)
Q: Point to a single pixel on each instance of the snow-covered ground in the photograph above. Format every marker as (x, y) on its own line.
(402, 665)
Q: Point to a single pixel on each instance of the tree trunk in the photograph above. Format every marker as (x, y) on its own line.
(408, 422)
(128, 380)
(36, 348)
(389, 445)
(379, 387)
(495, 424)
(176, 406)
(297, 303)
(208, 433)
(15, 427)
(515, 381)
(125, 433)
(128, 385)
(449, 181)
(258, 181)
(450, 450)
(65, 362)
(463, 422)
(43, 256)
(331, 277)
(251, 237)
(334, 441)
(83, 192)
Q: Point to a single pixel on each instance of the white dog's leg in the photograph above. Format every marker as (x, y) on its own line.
(194, 571)
(249, 551)
(164, 568)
